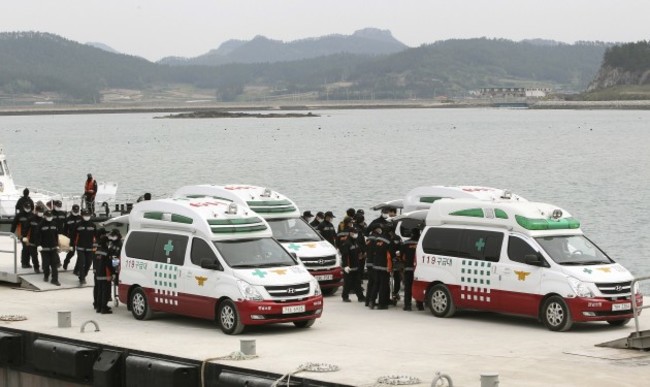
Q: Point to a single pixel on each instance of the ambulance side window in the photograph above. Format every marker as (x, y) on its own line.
(201, 250)
(442, 241)
(170, 248)
(481, 245)
(518, 249)
(140, 245)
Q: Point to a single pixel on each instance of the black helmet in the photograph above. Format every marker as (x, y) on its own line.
(116, 232)
(26, 192)
(75, 208)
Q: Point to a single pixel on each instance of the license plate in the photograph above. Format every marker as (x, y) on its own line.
(619, 307)
(293, 309)
(325, 277)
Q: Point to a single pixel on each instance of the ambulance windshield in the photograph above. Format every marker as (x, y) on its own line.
(264, 252)
(574, 250)
(293, 230)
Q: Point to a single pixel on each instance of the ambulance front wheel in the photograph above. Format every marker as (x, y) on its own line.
(556, 315)
(304, 323)
(618, 323)
(440, 301)
(139, 305)
(229, 320)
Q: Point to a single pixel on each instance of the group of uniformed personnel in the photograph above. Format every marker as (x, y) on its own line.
(39, 227)
(374, 249)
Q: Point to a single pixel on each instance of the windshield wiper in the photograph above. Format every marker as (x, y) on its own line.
(243, 266)
(272, 264)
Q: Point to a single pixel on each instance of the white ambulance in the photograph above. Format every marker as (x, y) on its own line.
(212, 259)
(521, 258)
(319, 256)
(421, 198)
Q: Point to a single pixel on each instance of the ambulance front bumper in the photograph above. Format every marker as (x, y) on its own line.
(269, 312)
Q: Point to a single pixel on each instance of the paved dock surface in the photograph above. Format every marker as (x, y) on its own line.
(365, 344)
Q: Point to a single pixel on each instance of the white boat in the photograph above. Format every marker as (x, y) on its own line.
(10, 193)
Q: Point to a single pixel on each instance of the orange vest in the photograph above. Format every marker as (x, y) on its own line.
(90, 186)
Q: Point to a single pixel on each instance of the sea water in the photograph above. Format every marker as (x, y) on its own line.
(593, 164)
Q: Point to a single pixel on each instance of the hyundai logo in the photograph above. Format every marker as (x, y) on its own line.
(321, 261)
(618, 288)
(291, 290)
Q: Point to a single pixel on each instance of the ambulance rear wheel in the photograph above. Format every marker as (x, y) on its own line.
(618, 323)
(556, 315)
(304, 323)
(329, 291)
(229, 320)
(139, 305)
(440, 301)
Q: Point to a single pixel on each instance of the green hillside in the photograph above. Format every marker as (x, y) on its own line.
(32, 63)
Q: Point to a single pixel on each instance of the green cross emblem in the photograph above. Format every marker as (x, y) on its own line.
(169, 247)
(259, 273)
(480, 244)
(294, 246)
(588, 271)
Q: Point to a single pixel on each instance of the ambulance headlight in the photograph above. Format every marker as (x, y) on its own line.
(636, 289)
(248, 291)
(316, 286)
(580, 288)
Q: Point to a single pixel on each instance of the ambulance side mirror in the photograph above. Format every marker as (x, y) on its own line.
(211, 264)
(535, 260)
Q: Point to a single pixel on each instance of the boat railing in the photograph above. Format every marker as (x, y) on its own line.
(636, 310)
(15, 248)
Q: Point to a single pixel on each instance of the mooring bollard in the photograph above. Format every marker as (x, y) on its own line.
(65, 319)
(490, 379)
(247, 347)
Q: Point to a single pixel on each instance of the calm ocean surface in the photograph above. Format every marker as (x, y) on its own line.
(594, 164)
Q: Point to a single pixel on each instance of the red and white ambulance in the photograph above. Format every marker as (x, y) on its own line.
(212, 259)
(319, 256)
(518, 257)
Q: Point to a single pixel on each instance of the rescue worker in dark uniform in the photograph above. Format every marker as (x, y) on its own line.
(349, 214)
(350, 259)
(20, 227)
(382, 267)
(59, 216)
(69, 230)
(90, 190)
(307, 216)
(33, 236)
(102, 270)
(326, 228)
(20, 203)
(408, 251)
(319, 218)
(398, 262)
(344, 232)
(84, 242)
(48, 245)
(360, 226)
(114, 252)
(381, 220)
(371, 298)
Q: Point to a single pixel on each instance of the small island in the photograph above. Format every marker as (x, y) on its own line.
(227, 114)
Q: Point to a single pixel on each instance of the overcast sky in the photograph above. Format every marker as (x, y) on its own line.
(157, 28)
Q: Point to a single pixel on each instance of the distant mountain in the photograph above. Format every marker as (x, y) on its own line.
(102, 46)
(33, 63)
(369, 41)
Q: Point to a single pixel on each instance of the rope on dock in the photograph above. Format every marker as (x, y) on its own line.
(306, 367)
(12, 317)
(237, 355)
